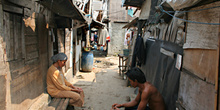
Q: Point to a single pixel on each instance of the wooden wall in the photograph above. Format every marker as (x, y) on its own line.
(3, 67)
(67, 46)
(24, 41)
(43, 47)
(24, 61)
(198, 77)
(200, 60)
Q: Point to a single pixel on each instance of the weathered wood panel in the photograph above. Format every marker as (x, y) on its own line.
(12, 36)
(31, 48)
(3, 92)
(24, 3)
(30, 40)
(201, 63)
(43, 46)
(13, 9)
(17, 36)
(60, 36)
(6, 26)
(29, 31)
(201, 35)
(50, 47)
(22, 86)
(32, 55)
(195, 94)
(67, 47)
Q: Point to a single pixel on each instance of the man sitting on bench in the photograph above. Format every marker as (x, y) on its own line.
(58, 86)
(147, 95)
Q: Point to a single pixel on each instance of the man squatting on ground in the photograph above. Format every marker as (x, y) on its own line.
(58, 86)
(147, 94)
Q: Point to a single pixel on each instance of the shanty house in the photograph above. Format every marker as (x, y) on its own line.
(31, 31)
(181, 41)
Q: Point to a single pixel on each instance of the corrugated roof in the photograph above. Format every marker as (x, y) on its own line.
(134, 3)
(133, 23)
(64, 8)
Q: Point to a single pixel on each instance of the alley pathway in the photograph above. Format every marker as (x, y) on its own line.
(103, 86)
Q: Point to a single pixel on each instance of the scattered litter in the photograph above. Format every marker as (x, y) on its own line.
(80, 77)
(98, 61)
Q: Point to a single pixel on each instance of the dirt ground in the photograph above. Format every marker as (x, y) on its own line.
(103, 86)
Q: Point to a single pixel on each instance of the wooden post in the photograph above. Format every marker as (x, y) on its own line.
(217, 72)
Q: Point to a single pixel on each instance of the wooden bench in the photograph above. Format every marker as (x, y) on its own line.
(122, 65)
(58, 104)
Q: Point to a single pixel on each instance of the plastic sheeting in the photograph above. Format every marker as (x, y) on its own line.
(180, 4)
(162, 68)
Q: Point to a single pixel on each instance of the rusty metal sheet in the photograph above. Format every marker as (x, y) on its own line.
(64, 8)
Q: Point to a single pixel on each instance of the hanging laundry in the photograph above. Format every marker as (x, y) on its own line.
(102, 35)
(92, 36)
(127, 37)
(130, 12)
(139, 53)
(108, 39)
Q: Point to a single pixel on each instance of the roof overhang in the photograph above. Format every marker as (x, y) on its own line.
(64, 8)
(134, 3)
(96, 24)
(133, 23)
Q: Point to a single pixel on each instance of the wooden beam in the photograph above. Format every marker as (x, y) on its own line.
(135, 11)
(217, 72)
(23, 3)
(13, 9)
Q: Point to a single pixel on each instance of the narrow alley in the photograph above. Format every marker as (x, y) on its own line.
(103, 86)
(171, 49)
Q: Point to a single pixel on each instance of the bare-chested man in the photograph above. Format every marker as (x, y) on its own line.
(147, 95)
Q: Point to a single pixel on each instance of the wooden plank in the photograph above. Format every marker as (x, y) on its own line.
(63, 104)
(24, 3)
(12, 9)
(31, 40)
(23, 40)
(195, 94)
(7, 35)
(217, 72)
(201, 35)
(60, 35)
(31, 48)
(3, 80)
(53, 104)
(19, 21)
(32, 55)
(201, 62)
(15, 35)
(12, 35)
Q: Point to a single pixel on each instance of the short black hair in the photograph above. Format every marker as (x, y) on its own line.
(136, 73)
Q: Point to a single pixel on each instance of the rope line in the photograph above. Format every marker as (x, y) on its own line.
(161, 8)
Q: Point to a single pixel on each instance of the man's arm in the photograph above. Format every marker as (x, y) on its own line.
(131, 103)
(145, 96)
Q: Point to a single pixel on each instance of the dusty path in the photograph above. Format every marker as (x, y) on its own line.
(107, 88)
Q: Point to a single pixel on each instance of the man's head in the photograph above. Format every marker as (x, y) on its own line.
(135, 74)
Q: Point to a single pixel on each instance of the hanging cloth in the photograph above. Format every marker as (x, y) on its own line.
(139, 53)
(103, 34)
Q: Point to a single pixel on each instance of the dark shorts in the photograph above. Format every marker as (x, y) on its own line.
(135, 108)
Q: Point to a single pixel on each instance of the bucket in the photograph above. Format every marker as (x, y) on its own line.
(95, 46)
(87, 61)
(125, 52)
(101, 48)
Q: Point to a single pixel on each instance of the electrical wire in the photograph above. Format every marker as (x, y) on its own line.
(161, 8)
(195, 10)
